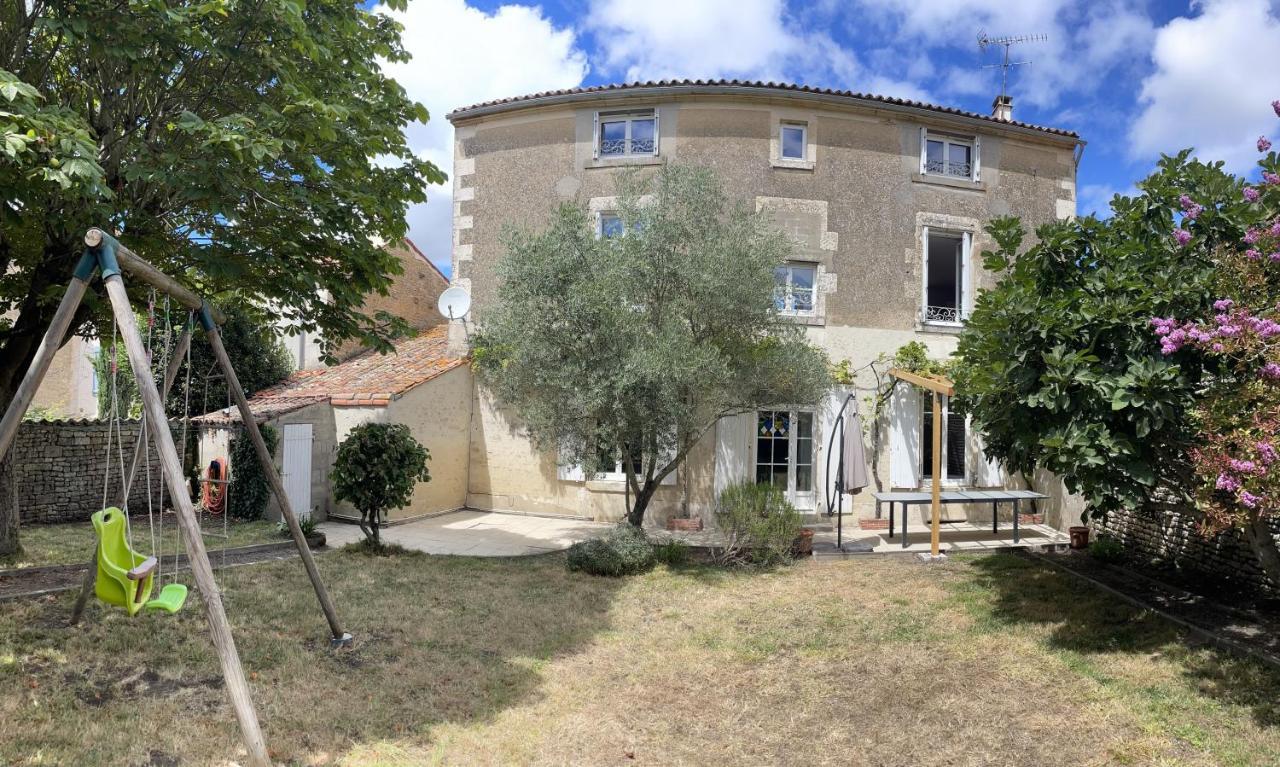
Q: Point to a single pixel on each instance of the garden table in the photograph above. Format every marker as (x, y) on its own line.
(993, 497)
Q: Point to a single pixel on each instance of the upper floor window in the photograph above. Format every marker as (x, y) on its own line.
(794, 289)
(946, 287)
(942, 154)
(625, 134)
(794, 141)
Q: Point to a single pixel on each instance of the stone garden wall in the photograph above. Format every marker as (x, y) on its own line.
(1165, 533)
(59, 466)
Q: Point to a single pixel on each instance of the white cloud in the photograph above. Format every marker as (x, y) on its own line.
(462, 55)
(1215, 76)
(708, 39)
(1085, 40)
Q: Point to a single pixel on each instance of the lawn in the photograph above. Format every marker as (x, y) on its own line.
(73, 542)
(990, 660)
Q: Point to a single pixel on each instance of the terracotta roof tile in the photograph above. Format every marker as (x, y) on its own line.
(694, 86)
(367, 380)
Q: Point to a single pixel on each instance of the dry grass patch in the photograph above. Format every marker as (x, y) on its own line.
(991, 660)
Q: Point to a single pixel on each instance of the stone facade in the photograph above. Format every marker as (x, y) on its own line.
(59, 467)
(1166, 533)
(858, 207)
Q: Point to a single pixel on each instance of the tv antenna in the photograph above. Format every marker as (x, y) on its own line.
(1008, 41)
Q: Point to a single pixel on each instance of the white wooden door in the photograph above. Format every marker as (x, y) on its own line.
(297, 467)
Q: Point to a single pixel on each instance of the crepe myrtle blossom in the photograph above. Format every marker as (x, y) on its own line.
(1267, 453)
(1227, 482)
(1182, 236)
(1271, 179)
(1276, 106)
(1249, 500)
(1190, 208)
(1251, 194)
(1252, 254)
(1272, 371)
(1251, 236)
(1263, 143)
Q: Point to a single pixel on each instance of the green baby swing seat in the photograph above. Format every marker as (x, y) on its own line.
(125, 577)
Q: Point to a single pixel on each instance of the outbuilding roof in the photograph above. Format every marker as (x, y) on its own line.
(742, 87)
(367, 380)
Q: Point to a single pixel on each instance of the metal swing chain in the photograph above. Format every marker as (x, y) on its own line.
(186, 422)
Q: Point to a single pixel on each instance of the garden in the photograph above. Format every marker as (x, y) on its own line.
(502, 661)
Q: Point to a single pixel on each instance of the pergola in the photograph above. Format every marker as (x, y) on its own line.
(939, 386)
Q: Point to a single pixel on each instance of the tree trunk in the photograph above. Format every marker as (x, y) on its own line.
(636, 515)
(1263, 543)
(9, 543)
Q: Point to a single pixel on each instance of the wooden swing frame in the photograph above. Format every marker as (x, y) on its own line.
(106, 255)
(939, 386)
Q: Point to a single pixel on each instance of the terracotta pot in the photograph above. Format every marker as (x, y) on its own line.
(1079, 537)
(315, 540)
(685, 524)
(803, 545)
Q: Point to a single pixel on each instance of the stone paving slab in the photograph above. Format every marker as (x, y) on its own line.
(478, 533)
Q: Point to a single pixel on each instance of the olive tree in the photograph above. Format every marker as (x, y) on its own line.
(376, 469)
(629, 348)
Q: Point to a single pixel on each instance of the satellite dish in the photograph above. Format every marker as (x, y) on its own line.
(454, 303)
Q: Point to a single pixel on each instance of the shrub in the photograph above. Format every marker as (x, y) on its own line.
(1106, 549)
(624, 551)
(249, 491)
(307, 523)
(377, 468)
(758, 523)
(672, 553)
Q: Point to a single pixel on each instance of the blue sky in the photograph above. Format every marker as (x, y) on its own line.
(1133, 78)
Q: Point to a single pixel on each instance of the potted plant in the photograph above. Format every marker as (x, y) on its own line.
(803, 545)
(1080, 533)
(687, 524)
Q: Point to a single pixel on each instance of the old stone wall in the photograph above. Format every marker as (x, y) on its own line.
(1166, 534)
(59, 467)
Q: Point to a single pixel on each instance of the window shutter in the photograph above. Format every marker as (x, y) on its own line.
(657, 134)
(595, 136)
(904, 436)
(924, 275)
(733, 450)
(977, 158)
(924, 147)
(987, 472)
(570, 472)
(966, 291)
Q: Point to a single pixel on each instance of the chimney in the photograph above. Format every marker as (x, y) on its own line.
(1002, 108)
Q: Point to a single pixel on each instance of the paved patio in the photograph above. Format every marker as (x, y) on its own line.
(477, 533)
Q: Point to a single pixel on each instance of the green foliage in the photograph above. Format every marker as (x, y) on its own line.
(914, 356)
(249, 491)
(759, 524)
(1107, 549)
(1058, 365)
(672, 553)
(638, 344)
(624, 551)
(40, 413)
(258, 149)
(116, 378)
(307, 523)
(376, 469)
(256, 352)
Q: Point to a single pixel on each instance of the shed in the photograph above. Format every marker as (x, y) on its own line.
(421, 385)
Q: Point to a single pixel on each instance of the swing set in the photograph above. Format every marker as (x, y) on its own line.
(117, 573)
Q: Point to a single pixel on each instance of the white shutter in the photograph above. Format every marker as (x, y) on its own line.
(924, 276)
(733, 450)
(657, 136)
(595, 136)
(826, 452)
(904, 436)
(966, 272)
(987, 472)
(977, 158)
(924, 147)
(570, 472)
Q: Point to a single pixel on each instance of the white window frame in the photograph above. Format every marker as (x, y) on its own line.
(627, 116)
(804, 140)
(975, 154)
(966, 278)
(806, 499)
(619, 474)
(788, 309)
(926, 469)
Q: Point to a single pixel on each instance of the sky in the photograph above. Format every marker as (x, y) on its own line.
(1135, 79)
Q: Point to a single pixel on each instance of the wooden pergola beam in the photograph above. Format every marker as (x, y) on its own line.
(939, 384)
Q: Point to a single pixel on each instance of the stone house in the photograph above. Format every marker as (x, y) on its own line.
(885, 200)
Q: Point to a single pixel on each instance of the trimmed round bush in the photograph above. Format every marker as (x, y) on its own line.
(624, 551)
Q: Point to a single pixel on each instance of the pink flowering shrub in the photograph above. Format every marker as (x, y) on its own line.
(1236, 453)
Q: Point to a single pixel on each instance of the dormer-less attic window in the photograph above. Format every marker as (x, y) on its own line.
(627, 134)
(944, 154)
